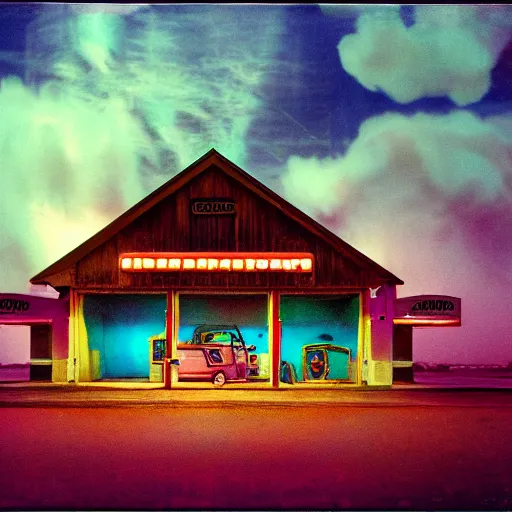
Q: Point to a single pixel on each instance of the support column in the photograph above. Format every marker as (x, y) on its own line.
(170, 350)
(364, 338)
(275, 330)
(82, 354)
(380, 370)
(73, 371)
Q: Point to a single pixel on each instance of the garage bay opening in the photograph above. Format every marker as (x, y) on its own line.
(118, 328)
(223, 339)
(319, 342)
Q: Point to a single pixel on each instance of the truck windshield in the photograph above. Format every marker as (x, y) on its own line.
(222, 337)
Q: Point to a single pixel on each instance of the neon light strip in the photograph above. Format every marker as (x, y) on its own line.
(216, 262)
(426, 321)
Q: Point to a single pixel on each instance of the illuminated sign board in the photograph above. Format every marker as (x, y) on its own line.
(13, 305)
(19, 308)
(216, 262)
(213, 206)
(428, 310)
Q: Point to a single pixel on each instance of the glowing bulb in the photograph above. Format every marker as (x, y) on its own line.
(148, 263)
(295, 264)
(225, 264)
(174, 263)
(161, 263)
(306, 263)
(275, 264)
(287, 265)
(261, 264)
(201, 264)
(137, 262)
(188, 263)
(126, 263)
(250, 264)
(238, 264)
(213, 264)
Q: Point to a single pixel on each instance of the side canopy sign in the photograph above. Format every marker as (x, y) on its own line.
(19, 308)
(9, 304)
(428, 310)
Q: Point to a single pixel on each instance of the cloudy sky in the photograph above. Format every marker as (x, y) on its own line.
(391, 125)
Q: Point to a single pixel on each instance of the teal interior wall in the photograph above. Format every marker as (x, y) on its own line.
(118, 326)
(338, 365)
(308, 320)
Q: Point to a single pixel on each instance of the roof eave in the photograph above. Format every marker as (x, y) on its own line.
(65, 263)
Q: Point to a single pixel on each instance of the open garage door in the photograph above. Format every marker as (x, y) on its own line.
(319, 341)
(118, 329)
(223, 337)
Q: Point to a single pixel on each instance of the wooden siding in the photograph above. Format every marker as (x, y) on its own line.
(257, 226)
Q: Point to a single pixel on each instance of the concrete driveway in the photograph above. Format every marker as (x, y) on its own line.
(435, 454)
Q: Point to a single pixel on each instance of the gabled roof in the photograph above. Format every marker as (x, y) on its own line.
(212, 157)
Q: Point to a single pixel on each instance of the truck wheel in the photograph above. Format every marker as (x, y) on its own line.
(219, 379)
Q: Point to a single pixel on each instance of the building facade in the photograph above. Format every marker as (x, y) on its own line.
(212, 279)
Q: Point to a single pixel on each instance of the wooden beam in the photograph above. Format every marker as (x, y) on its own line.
(275, 327)
(169, 331)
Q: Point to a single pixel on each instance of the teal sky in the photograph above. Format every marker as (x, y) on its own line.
(389, 124)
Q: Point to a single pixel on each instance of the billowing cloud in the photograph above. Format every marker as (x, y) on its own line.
(448, 51)
(347, 11)
(115, 107)
(118, 9)
(97, 36)
(448, 155)
(429, 198)
(68, 168)
(490, 25)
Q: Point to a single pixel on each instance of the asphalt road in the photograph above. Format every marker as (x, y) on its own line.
(270, 457)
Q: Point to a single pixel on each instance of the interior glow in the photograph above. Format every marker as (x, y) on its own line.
(238, 262)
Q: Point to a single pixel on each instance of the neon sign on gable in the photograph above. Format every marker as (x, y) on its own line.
(213, 207)
(216, 262)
